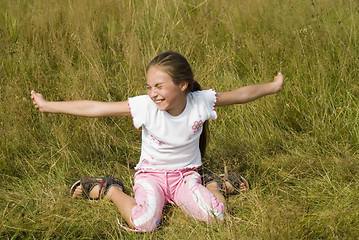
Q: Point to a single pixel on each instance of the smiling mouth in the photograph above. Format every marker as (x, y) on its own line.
(158, 100)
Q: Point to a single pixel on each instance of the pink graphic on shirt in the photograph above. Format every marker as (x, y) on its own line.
(197, 126)
(159, 142)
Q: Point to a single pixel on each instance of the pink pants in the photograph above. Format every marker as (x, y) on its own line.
(153, 189)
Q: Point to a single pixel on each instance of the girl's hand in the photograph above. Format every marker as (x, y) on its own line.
(251, 92)
(279, 82)
(85, 108)
(38, 100)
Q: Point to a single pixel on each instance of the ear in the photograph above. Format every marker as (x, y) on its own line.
(183, 86)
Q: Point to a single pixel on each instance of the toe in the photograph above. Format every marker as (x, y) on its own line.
(77, 192)
(243, 187)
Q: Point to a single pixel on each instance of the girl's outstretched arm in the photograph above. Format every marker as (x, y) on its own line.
(84, 108)
(251, 92)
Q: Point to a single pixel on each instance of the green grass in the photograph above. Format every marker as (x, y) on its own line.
(298, 148)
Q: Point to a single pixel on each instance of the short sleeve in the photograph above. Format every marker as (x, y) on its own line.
(139, 108)
(205, 100)
(210, 97)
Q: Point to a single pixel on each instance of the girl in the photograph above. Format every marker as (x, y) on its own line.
(173, 117)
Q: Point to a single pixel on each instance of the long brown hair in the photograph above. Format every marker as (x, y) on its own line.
(178, 68)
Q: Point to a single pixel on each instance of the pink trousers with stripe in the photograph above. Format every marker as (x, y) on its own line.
(153, 189)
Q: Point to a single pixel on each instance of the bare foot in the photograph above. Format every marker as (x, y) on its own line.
(93, 194)
(77, 192)
(213, 187)
(230, 188)
(95, 191)
(112, 190)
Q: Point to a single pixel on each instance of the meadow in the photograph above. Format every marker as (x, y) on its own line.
(298, 148)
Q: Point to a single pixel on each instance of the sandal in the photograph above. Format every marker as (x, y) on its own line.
(235, 179)
(88, 183)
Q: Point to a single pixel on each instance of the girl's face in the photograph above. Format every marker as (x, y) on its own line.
(164, 93)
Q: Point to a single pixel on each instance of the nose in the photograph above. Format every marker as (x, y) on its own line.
(152, 93)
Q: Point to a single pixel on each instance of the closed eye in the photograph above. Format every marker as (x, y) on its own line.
(158, 86)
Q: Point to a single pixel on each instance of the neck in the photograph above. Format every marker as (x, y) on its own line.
(180, 107)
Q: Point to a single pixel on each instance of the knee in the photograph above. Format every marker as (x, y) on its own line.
(216, 212)
(146, 227)
(146, 221)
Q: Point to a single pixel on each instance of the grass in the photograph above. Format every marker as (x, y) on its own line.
(299, 148)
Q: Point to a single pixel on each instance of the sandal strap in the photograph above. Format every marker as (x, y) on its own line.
(235, 179)
(88, 183)
(110, 182)
(210, 177)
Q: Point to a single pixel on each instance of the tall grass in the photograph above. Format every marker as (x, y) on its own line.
(299, 148)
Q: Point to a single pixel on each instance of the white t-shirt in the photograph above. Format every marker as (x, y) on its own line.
(172, 142)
